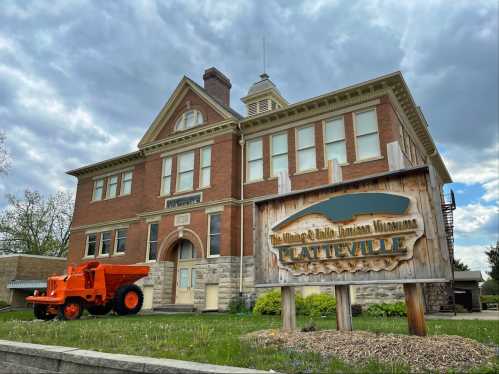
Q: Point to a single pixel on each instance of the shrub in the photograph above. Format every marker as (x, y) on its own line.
(237, 305)
(492, 299)
(321, 304)
(268, 303)
(3, 304)
(387, 310)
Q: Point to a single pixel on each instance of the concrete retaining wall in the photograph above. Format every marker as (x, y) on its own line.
(16, 357)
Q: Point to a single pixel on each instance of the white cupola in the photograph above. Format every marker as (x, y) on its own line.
(263, 96)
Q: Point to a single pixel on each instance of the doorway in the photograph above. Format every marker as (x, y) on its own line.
(186, 273)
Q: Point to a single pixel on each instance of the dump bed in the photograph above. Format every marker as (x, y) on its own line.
(117, 275)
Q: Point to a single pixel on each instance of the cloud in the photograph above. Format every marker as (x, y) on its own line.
(474, 256)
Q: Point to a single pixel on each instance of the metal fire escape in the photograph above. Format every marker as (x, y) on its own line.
(448, 207)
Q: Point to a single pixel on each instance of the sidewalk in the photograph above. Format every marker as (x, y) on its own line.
(485, 315)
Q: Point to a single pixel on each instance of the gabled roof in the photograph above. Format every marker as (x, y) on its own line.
(168, 109)
(463, 276)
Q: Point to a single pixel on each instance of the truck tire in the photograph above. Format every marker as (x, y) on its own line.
(41, 312)
(70, 310)
(128, 299)
(100, 310)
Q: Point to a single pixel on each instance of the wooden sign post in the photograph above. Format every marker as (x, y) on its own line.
(343, 308)
(288, 308)
(415, 309)
(380, 230)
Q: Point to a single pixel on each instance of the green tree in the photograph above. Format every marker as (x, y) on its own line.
(36, 225)
(493, 257)
(460, 266)
(490, 287)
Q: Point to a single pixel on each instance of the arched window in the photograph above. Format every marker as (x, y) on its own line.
(189, 119)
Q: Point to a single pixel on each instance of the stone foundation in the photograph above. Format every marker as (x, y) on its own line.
(377, 294)
(435, 296)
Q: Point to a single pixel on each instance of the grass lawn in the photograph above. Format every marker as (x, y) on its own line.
(214, 338)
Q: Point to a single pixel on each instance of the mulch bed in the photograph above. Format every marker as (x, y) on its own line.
(432, 353)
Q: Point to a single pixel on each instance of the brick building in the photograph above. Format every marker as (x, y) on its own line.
(178, 203)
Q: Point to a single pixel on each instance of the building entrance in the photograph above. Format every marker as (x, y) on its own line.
(186, 273)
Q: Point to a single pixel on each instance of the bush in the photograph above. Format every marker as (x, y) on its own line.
(268, 303)
(237, 305)
(315, 305)
(3, 304)
(490, 299)
(321, 304)
(387, 310)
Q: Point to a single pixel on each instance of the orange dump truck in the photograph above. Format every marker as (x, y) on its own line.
(97, 287)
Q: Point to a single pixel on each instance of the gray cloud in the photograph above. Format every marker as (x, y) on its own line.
(82, 80)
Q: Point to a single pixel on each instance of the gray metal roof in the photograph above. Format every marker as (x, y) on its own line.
(264, 84)
(468, 276)
(26, 284)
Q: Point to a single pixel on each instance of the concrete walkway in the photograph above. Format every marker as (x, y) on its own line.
(484, 315)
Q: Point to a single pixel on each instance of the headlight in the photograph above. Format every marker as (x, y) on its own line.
(52, 293)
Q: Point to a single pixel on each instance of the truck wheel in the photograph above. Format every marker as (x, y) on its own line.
(41, 312)
(100, 310)
(128, 299)
(70, 310)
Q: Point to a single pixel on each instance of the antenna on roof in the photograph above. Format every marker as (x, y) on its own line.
(264, 74)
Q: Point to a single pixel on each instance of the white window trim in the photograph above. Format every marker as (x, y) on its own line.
(354, 120)
(163, 160)
(149, 241)
(115, 247)
(95, 189)
(272, 175)
(122, 184)
(86, 255)
(325, 143)
(205, 167)
(102, 242)
(181, 120)
(258, 159)
(297, 169)
(208, 249)
(177, 182)
(109, 187)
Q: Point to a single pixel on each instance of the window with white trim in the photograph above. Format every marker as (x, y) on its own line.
(166, 179)
(189, 119)
(126, 183)
(214, 221)
(334, 140)
(152, 242)
(185, 174)
(366, 132)
(98, 189)
(279, 156)
(91, 245)
(254, 154)
(105, 243)
(112, 187)
(120, 241)
(305, 149)
(205, 167)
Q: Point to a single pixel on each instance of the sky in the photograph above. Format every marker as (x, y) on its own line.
(81, 81)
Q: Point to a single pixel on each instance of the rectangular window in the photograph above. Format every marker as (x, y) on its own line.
(305, 148)
(334, 140)
(205, 167)
(98, 189)
(366, 131)
(105, 243)
(214, 221)
(126, 183)
(279, 153)
(91, 245)
(185, 177)
(120, 243)
(152, 242)
(112, 187)
(255, 160)
(166, 180)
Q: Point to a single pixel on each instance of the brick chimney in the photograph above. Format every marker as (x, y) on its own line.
(217, 85)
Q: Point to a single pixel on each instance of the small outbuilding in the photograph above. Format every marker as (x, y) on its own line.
(21, 274)
(467, 290)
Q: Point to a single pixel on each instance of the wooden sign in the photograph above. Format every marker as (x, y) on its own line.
(379, 231)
